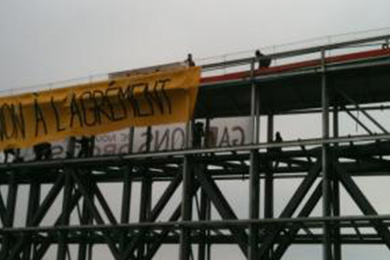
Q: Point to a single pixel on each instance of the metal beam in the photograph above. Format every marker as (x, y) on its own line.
(157, 242)
(290, 208)
(92, 207)
(326, 182)
(254, 203)
(337, 248)
(154, 214)
(203, 234)
(293, 231)
(186, 209)
(361, 201)
(65, 216)
(48, 201)
(357, 120)
(349, 99)
(126, 200)
(221, 204)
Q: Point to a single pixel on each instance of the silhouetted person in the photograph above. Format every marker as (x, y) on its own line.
(7, 153)
(278, 138)
(70, 146)
(15, 153)
(42, 151)
(198, 135)
(190, 62)
(278, 150)
(264, 61)
(86, 146)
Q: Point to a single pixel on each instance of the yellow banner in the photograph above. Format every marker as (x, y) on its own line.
(90, 109)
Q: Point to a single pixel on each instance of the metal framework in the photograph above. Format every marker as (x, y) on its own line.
(71, 195)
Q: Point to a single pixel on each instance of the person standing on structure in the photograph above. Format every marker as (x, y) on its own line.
(264, 60)
(190, 62)
(198, 134)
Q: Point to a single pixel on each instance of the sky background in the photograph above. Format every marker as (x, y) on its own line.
(43, 42)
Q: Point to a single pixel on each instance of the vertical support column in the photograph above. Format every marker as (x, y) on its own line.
(336, 190)
(11, 200)
(62, 245)
(326, 193)
(203, 233)
(254, 179)
(85, 249)
(269, 180)
(33, 205)
(186, 209)
(126, 199)
(188, 134)
(70, 146)
(207, 134)
(131, 139)
(255, 108)
(10, 216)
(254, 204)
(148, 138)
(145, 208)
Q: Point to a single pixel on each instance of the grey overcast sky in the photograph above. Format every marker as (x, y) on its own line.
(44, 41)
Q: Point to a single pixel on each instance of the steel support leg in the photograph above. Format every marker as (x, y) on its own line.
(126, 199)
(269, 180)
(85, 249)
(254, 204)
(165, 232)
(145, 209)
(160, 205)
(33, 205)
(222, 206)
(362, 202)
(95, 213)
(203, 233)
(336, 190)
(62, 245)
(10, 214)
(305, 212)
(186, 210)
(292, 205)
(326, 188)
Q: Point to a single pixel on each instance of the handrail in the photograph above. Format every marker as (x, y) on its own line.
(287, 54)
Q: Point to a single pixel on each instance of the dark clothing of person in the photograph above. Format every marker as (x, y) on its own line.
(277, 150)
(264, 61)
(190, 61)
(86, 148)
(7, 153)
(278, 138)
(198, 135)
(42, 151)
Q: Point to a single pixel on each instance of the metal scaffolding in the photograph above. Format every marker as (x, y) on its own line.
(85, 217)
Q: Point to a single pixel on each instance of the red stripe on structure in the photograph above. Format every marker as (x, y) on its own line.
(298, 65)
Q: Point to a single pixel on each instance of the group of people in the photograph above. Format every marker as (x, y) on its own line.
(264, 60)
(44, 151)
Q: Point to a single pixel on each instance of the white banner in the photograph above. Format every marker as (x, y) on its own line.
(223, 132)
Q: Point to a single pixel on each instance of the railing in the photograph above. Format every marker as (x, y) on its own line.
(223, 64)
(287, 54)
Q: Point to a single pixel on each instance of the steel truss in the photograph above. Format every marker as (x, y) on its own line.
(76, 183)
